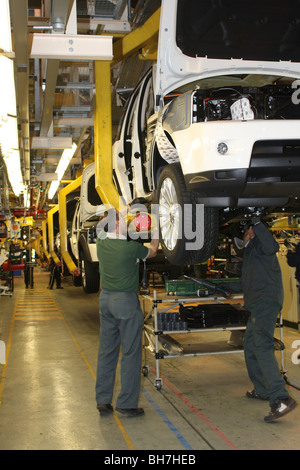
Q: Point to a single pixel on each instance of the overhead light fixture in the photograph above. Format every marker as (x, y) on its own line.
(9, 141)
(5, 34)
(71, 47)
(62, 166)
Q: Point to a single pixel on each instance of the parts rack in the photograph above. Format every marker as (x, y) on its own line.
(155, 339)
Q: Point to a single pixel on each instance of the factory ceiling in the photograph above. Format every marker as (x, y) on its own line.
(55, 84)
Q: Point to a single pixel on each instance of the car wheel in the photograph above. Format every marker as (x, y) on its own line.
(177, 210)
(90, 275)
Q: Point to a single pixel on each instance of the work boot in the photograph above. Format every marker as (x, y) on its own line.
(280, 408)
(254, 395)
(105, 409)
(130, 412)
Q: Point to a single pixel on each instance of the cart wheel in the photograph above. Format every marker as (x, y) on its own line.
(158, 384)
(145, 371)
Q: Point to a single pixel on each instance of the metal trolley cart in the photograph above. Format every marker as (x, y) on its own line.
(14, 263)
(7, 282)
(158, 341)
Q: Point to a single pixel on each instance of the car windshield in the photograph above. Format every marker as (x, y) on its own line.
(225, 29)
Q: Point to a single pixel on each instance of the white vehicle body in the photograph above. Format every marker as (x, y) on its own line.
(82, 236)
(79, 226)
(216, 122)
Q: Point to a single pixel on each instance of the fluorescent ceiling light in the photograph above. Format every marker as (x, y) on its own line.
(9, 141)
(53, 188)
(5, 35)
(63, 164)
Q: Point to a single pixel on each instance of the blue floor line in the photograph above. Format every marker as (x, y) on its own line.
(168, 422)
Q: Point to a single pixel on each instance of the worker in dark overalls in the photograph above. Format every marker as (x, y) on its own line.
(55, 274)
(28, 270)
(261, 283)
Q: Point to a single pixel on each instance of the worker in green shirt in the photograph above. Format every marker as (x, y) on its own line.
(121, 317)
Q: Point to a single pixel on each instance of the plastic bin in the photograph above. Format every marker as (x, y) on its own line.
(181, 287)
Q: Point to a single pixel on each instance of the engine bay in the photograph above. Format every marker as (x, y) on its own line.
(274, 101)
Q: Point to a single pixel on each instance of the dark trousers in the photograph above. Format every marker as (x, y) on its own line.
(259, 351)
(121, 323)
(28, 276)
(55, 276)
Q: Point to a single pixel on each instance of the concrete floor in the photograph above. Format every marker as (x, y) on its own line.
(47, 386)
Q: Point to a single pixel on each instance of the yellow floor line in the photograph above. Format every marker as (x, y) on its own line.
(37, 305)
(19, 314)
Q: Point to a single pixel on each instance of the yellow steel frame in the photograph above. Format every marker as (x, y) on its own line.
(145, 39)
(103, 136)
(44, 231)
(51, 233)
(62, 202)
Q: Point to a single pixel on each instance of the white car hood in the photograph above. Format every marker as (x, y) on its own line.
(281, 33)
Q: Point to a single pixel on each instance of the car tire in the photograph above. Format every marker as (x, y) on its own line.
(174, 199)
(89, 274)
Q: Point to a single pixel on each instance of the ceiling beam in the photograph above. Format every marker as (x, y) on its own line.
(47, 113)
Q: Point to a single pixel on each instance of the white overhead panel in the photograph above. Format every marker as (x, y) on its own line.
(47, 177)
(51, 142)
(72, 47)
(73, 121)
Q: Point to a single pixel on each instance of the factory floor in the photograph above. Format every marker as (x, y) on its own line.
(47, 386)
